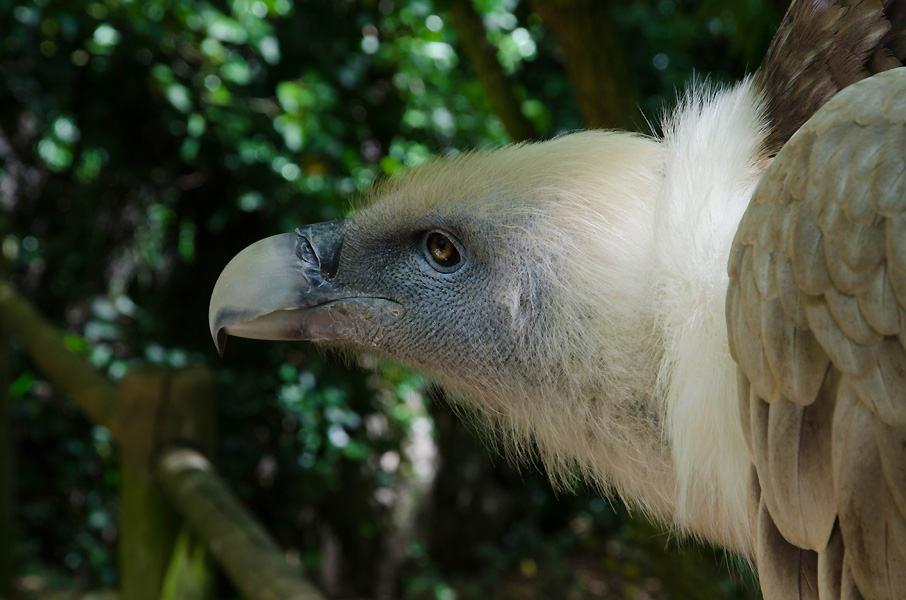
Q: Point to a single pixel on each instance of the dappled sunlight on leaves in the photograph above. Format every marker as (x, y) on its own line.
(143, 144)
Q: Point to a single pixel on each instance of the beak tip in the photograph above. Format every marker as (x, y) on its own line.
(219, 334)
(220, 339)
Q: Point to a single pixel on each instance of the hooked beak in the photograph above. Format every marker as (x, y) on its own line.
(282, 288)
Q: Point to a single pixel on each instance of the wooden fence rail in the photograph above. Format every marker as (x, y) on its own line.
(240, 545)
(162, 421)
(94, 394)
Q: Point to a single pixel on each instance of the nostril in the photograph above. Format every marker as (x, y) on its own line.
(308, 260)
(305, 251)
(318, 249)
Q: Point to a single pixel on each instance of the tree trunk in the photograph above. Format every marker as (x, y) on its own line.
(483, 56)
(471, 497)
(594, 61)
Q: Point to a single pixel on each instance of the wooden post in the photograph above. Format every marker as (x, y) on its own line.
(159, 408)
(7, 480)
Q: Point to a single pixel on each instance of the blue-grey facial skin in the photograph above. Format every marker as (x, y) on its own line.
(453, 323)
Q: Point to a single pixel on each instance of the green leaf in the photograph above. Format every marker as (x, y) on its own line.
(21, 384)
(76, 343)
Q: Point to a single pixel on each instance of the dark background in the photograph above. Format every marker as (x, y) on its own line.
(143, 144)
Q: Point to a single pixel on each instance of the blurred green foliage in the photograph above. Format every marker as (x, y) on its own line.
(143, 143)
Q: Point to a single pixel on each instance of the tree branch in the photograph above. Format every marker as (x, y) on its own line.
(494, 81)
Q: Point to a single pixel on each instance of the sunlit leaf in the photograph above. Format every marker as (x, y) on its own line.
(21, 384)
(235, 69)
(223, 28)
(179, 97)
(75, 343)
(55, 156)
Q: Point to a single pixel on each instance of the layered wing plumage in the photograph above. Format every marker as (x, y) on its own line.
(820, 48)
(816, 313)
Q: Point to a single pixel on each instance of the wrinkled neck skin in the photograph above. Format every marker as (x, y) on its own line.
(652, 410)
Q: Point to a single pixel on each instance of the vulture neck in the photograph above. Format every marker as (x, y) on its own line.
(713, 158)
(631, 383)
(632, 386)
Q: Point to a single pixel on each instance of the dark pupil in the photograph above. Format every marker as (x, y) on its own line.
(443, 250)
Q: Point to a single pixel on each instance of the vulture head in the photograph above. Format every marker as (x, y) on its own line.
(576, 293)
(516, 277)
(457, 267)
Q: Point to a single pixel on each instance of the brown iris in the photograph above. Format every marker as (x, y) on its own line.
(442, 250)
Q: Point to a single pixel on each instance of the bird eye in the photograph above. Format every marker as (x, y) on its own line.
(442, 252)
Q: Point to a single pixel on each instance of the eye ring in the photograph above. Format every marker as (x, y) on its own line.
(443, 251)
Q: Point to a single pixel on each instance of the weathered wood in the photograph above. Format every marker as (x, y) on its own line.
(7, 480)
(247, 554)
(95, 395)
(159, 407)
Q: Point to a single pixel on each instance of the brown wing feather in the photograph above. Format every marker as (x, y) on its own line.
(817, 313)
(822, 47)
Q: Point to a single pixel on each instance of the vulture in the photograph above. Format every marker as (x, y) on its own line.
(710, 321)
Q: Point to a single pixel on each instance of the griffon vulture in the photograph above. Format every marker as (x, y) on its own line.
(710, 322)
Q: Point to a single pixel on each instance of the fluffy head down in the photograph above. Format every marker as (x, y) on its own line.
(553, 330)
